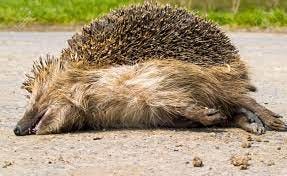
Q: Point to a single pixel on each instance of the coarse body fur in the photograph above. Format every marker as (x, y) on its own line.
(150, 94)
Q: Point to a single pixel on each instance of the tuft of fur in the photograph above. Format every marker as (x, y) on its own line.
(41, 71)
(137, 33)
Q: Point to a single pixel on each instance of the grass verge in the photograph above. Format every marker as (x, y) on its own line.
(21, 13)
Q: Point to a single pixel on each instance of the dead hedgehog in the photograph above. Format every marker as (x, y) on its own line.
(180, 70)
(154, 93)
(138, 33)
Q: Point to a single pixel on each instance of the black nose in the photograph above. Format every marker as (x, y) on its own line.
(17, 130)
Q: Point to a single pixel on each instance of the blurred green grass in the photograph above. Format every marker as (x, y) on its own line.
(239, 13)
(55, 11)
(250, 18)
(234, 13)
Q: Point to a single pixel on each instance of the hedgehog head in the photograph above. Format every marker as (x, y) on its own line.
(45, 101)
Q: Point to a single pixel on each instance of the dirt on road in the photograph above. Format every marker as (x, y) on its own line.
(216, 151)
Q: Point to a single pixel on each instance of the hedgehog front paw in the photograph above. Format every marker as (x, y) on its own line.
(256, 128)
(243, 121)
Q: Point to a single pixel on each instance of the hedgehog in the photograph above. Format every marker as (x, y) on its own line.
(186, 54)
(140, 32)
(150, 94)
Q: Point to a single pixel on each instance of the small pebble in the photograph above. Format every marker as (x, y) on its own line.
(7, 164)
(270, 163)
(212, 134)
(248, 153)
(197, 162)
(61, 158)
(241, 161)
(243, 167)
(278, 148)
(258, 139)
(249, 138)
(246, 145)
(97, 138)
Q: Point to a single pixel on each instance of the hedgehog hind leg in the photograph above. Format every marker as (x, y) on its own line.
(269, 118)
(204, 116)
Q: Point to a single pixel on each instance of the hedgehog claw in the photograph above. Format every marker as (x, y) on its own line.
(277, 115)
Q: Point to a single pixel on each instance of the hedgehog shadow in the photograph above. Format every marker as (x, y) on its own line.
(213, 129)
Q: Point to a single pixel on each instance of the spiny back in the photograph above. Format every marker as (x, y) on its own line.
(138, 33)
